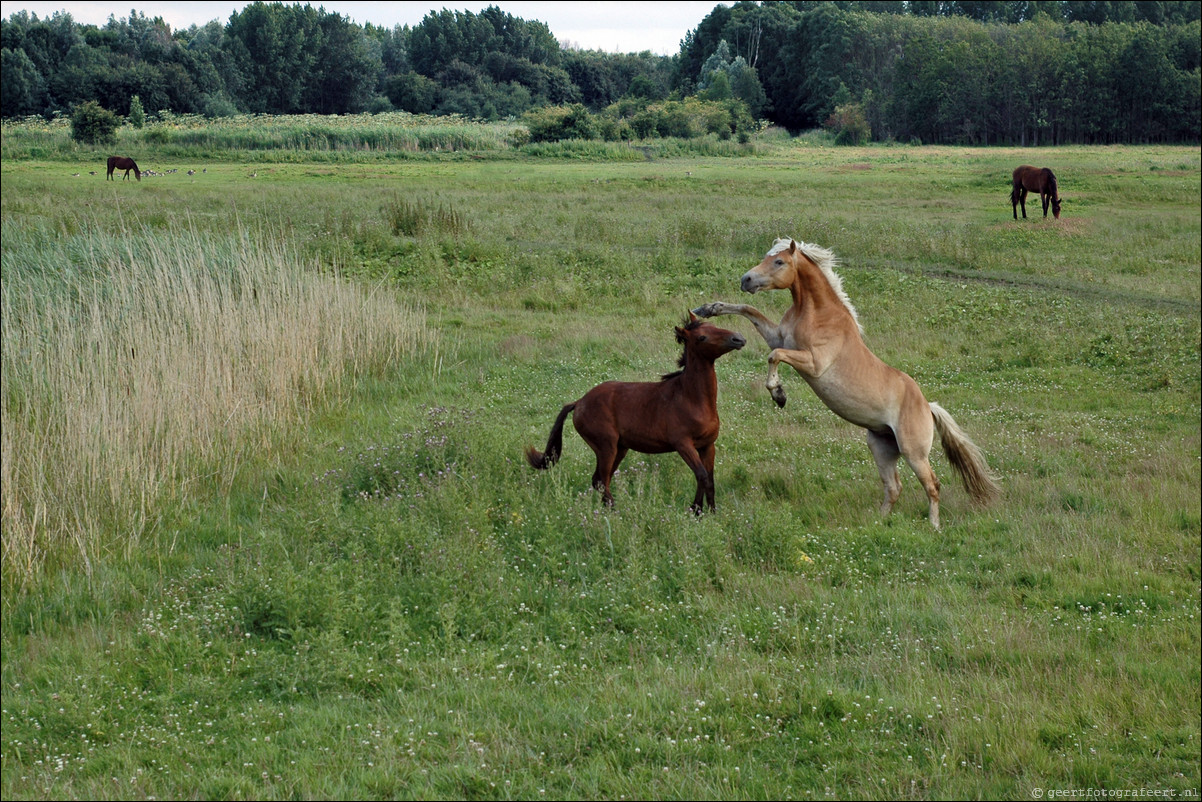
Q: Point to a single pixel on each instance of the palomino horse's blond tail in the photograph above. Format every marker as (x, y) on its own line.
(965, 457)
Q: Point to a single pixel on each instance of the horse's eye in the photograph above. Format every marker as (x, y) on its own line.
(702, 338)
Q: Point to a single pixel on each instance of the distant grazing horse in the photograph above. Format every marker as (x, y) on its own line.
(820, 337)
(1034, 179)
(678, 413)
(126, 164)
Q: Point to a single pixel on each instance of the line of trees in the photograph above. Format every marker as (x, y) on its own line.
(1011, 73)
(290, 59)
(1002, 72)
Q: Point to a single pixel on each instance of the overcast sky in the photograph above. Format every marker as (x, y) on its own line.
(614, 27)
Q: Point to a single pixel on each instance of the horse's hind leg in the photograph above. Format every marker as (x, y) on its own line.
(912, 438)
(917, 451)
(884, 451)
(609, 457)
(922, 469)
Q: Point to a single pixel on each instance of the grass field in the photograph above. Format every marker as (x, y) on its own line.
(268, 531)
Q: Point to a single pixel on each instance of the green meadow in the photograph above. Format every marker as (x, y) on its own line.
(268, 531)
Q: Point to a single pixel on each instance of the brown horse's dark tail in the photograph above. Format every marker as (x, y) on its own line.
(546, 459)
(965, 457)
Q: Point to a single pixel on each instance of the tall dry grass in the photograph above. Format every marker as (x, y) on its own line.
(136, 365)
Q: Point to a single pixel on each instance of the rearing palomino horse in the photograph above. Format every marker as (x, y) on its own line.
(123, 163)
(1034, 179)
(820, 337)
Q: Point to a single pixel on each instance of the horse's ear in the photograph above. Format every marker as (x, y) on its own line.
(692, 317)
(680, 335)
(792, 247)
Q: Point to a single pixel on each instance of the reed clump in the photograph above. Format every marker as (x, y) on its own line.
(139, 365)
(414, 218)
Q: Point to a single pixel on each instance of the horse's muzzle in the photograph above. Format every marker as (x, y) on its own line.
(737, 341)
(750, 282)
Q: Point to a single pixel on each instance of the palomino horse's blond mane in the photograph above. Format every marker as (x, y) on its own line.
(826, 261)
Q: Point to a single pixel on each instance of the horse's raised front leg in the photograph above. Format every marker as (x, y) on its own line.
(767, 329)
(800, 360)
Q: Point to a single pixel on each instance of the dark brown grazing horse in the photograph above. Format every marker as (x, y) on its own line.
(678, 413)
(123, 163)
(1034, 179)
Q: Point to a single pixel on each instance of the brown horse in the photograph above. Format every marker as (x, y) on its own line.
(678, 413)
(1034, 179)
(820, 337)
(123, 163)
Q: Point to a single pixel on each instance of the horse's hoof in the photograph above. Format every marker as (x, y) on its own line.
(704, 311)
(778, 395)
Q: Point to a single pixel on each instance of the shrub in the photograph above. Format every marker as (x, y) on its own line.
(93, 124)
(412, 92)
(849, 125)
(519, 137)
(615, 130)
(645, 124)
(553, 123)
(137, 114)
(218, 105)
(683, 119)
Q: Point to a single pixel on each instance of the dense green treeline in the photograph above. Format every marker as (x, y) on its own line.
(1045, 79)
(290, 59)
(1006, 72)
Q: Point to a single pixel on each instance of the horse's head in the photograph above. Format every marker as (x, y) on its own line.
(707, 340)
(1056, 207)
(776, 271)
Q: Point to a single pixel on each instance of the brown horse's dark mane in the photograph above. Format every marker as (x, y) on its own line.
(685, 325)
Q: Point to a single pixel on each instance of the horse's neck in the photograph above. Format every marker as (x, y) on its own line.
(699, 377)
(813, 296)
